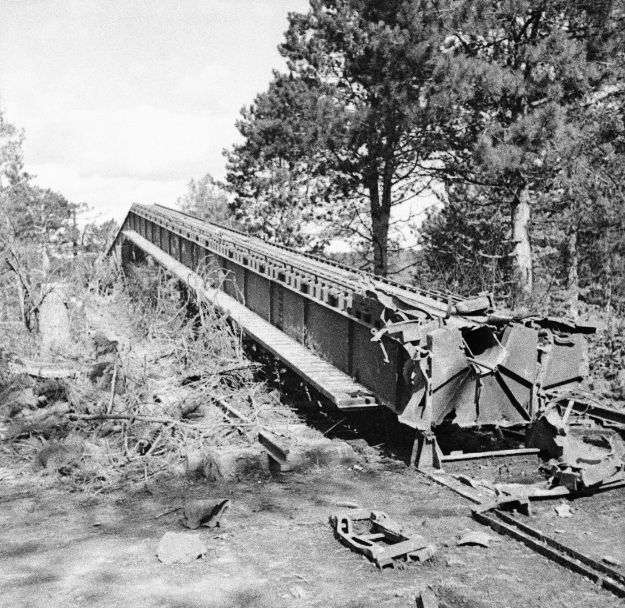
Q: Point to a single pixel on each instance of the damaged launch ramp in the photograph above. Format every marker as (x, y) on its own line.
(431, 358)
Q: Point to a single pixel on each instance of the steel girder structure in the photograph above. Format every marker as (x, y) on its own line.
(430, 357)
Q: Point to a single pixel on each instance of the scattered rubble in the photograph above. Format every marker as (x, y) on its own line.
(580, 459)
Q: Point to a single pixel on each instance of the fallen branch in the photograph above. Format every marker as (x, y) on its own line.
(138, 418)
(44, 370)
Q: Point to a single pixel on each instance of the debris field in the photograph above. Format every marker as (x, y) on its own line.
(155, 463)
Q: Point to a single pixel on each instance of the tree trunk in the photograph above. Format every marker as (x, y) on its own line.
(522, 252)
(54, 323)
(21, 298)
(572, 282)
(380, 220)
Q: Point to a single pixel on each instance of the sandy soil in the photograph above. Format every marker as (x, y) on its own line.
(59, 548)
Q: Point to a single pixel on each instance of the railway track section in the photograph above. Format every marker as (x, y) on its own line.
(505, 523)
(574, 560)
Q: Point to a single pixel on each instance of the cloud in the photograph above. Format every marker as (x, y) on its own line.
(110, 196)
(130, 100)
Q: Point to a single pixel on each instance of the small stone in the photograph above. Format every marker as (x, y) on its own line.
(564, 510)
(608, 559)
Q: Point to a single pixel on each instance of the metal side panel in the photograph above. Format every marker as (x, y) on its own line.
(153, 234)
(237, 276)
(229, 284)
(276, 304)
(186, 253)
(174, 246)
(567, 363)
(338, 387)
(293, 315)
(258, 295)
(328, 335)
(369, 366)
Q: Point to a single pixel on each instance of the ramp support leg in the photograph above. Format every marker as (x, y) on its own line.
(426, 454)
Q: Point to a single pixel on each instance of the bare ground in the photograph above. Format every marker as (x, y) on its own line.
(275, 548)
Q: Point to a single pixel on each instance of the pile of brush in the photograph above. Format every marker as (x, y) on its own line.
(156, 378)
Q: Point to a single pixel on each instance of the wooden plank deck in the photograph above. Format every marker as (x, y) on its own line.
(338, 387)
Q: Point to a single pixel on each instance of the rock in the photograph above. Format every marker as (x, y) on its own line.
(235, 462)
(564, 510)
(180, 548)
(475, 538)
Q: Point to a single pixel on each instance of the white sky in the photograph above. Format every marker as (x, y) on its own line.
(125, 101)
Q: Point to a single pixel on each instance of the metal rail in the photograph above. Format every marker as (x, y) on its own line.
(435, 294)
(342, 277)
(574, 560)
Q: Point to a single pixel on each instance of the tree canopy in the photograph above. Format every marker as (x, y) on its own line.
(513, 107)
(348, 117)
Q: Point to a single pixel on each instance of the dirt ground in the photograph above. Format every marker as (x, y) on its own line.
(275, 546)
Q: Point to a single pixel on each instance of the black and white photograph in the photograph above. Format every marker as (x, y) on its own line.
(312, 303)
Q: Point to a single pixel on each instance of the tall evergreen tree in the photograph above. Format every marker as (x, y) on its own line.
(508, 87)
(358, 121)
